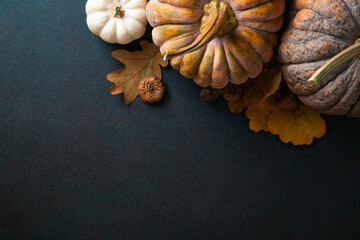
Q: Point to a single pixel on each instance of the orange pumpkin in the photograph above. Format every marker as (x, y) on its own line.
(216, 42)
(320, 51)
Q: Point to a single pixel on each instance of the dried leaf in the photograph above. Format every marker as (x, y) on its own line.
(274, 77)
(264, 113)
(137, 65)
(233, 94)
(298, 127)
(258, 119)
(258, 110)
(236, 107)
(267, 82)
(257, 113)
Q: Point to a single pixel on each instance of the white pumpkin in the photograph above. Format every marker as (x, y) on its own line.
(116, 21)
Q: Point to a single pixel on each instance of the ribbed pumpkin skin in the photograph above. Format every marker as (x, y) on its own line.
(318, 31)
(233, 57)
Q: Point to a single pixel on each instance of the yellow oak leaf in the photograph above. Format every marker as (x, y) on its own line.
(258, 118)
(137, 65)
(256, 113)
(298, 127)
(265, 112)
(258, 109)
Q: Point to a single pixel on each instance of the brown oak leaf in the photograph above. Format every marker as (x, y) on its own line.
(236, 107)
(137, 65)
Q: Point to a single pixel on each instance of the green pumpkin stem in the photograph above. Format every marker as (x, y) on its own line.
(218, 19)
(334, 63)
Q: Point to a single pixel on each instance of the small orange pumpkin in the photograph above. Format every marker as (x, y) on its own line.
(216, 42)
(320, 51)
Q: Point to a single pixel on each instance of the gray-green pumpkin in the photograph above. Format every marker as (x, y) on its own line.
(324, 32)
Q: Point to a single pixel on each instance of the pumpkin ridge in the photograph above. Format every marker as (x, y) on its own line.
(194, 14)
(246, 56)
(182, 35)
(178, 42)
(190, 63)
(314, 99)
(305, 85)
(304, 88)
(329, 98)
(173, 3)
(237, 73)
(324, 17)
(296, 72)
(355, 10)
(96, 16)
(350, 92)
(202, 56)
(272, 38)
(262, 33)
(326, 47)
(280, 20)
(343, 57)
(300, 24)
(253, 39)
(203, 78)
(328, 19)
(104, 33)
(352, 16)
(250, 4)
(343, 40)
(263, 12)
(176, 62)
(130, 32)
(220, 73)
(164, 33)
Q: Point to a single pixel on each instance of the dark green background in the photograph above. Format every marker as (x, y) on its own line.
(76, 163)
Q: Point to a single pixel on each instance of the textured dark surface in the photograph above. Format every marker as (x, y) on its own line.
(76, 163)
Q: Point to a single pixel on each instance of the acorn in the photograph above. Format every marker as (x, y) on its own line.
(151, 89)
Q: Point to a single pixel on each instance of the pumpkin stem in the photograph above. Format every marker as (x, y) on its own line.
(337, 61)
(118, 11)
(218, 19)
